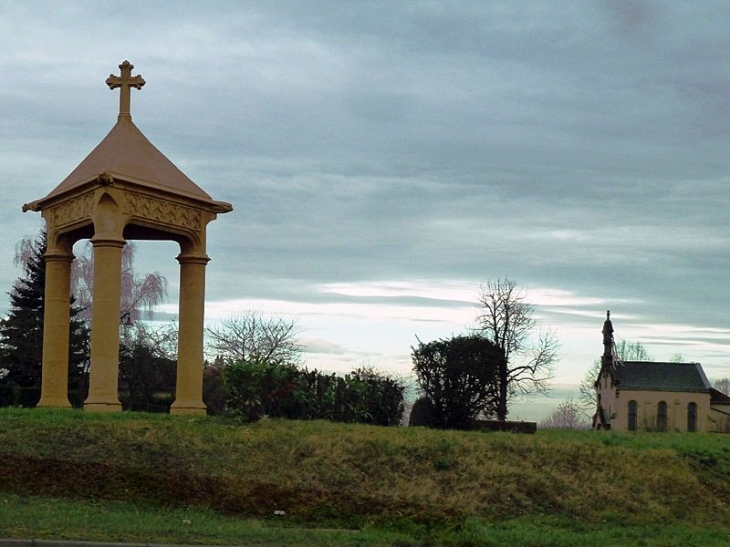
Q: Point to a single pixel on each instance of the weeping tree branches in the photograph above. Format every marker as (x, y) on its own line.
(506, 319)
(139, 294)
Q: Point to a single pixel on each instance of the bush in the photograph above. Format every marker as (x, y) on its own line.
(505, 425)
(213, 392)
(460, 376)
(8, 396)
(256, 388)
(76, 398)
(28, 397)
(372, 398)
(253, 389)
(422, 413)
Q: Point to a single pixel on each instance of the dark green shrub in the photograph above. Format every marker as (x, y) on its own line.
(380, 396)
(314, 396)
(253, 389)
(213, 392)
(76, 398)
(256, 388)
(422, 413)
(8, 395)
(28, 397)
(506, 425)
(460, 376)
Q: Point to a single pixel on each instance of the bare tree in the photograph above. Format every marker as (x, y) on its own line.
(587, 389)
(507, 320)
(566, 416)
(252, 336)
(625, 351)
(139, 294)
(632, 351)
(723, 385)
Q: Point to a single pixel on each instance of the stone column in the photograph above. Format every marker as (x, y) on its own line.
(189, 391)
(56, 331)
(104, 374)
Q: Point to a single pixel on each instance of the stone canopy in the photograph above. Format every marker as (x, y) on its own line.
(124, 189)
(156, 191)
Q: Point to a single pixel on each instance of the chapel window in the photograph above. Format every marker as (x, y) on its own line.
(632, 415)
(661, 417)
(692, 417)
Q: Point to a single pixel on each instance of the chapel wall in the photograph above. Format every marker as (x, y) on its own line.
(647, 403)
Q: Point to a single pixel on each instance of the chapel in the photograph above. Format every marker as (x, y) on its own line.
(655, 396)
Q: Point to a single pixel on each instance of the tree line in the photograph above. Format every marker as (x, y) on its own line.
(258, 369)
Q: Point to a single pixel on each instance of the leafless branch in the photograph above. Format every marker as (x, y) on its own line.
(252, 336)
(506, 319)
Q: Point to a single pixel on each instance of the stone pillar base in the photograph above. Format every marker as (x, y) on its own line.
(53, 402)
(102, 407)
(188, 408)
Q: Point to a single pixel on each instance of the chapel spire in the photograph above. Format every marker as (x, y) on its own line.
(607, 337)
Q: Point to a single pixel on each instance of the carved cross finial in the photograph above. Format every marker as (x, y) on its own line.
(126, 81)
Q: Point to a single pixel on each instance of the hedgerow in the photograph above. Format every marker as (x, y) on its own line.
(255, 388)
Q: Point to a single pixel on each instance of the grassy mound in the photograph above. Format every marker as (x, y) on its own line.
(324, 474)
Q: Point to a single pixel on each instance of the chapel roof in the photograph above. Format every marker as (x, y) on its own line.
(657, 376)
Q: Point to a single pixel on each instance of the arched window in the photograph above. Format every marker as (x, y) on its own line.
(661, 417)
(632, 415)
(692, 417)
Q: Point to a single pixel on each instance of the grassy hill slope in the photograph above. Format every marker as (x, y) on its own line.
(333, 475)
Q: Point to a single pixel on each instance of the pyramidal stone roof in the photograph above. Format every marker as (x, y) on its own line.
(125, 154)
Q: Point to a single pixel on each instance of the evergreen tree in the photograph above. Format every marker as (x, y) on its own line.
(21, 332)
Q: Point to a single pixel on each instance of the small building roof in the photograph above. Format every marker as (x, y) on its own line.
(717, 397)
(653, 376)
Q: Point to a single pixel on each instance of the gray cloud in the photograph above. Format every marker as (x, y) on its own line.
(580, 147)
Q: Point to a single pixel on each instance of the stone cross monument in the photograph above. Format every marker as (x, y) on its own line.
(125, 189)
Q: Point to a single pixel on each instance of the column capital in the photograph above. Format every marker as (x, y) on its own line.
(58, 255)
(193, 258)
(108, 242)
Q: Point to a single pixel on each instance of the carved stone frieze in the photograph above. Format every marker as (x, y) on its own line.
(167, 212)
(72, 210)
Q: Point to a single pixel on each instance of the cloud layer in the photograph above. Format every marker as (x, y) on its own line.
(384, 158)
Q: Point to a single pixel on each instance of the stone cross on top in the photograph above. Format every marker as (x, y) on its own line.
(125, 81)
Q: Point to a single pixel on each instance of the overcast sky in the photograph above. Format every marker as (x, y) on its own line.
(384, 158)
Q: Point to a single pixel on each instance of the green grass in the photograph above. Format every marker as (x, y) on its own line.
(53, 518)
(158, 478)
